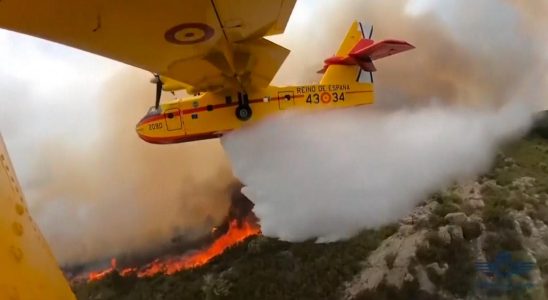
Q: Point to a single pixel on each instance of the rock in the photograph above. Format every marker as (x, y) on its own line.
(424, 282)
(422, 221)
(408, 277)
(525, 228)
(456, 218)
(456, 232)
(524, 183)
(437, 269)
(472, 196)
(476, 218)
(476, 203)
(408, 220)
(378, 270)
(450, 233)
(406, 230)
(509, 162)
(444, 235)
(432, 206)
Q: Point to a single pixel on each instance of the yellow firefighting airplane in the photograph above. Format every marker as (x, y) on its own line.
(214, 49)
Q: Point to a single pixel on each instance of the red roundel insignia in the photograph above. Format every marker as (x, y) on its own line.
(189, 33)
(325, 97)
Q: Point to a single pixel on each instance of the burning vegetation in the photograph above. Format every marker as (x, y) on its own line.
(240, 224)
(237, 232)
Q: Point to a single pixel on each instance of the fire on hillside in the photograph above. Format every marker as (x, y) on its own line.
(237, 232)
(240, 224)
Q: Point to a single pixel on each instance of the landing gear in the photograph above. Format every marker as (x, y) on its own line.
(243, 110)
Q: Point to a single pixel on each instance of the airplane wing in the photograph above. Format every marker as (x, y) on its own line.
(29, 270)
(210, 45)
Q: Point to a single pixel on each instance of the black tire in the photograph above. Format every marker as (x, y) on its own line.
(243, 112)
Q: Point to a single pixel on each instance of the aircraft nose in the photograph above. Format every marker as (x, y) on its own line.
(140, 128)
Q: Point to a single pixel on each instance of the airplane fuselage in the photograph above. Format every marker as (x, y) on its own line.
(210, 115)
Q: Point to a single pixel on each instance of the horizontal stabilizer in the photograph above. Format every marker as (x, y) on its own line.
(374, 51)
(366, 51)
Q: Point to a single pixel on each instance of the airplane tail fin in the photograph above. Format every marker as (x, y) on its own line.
(354, 59)
(342, 73)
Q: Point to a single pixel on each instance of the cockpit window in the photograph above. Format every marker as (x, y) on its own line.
(153, 111)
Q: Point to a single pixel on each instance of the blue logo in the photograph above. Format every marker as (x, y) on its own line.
(501, 271)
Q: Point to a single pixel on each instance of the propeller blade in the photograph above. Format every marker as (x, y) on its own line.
(159, 85)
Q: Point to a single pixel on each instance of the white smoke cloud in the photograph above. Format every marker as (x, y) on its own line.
(94, 188)
(472, 83)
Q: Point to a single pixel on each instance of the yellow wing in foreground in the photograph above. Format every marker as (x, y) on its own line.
(207, 44)
(28, 270)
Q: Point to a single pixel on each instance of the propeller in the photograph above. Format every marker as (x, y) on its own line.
(159, 85)
(370, 36)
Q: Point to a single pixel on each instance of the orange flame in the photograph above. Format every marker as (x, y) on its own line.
(102, 274)
(235, 234)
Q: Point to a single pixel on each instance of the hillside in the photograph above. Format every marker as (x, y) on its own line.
(481, 239)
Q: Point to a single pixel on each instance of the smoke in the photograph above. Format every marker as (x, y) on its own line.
(96, 190)
(472, 84)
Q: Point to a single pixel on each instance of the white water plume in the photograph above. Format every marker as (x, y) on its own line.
(330, 174)
(442, 110)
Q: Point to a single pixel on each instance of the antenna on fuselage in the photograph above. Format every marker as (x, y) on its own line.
(370, 36)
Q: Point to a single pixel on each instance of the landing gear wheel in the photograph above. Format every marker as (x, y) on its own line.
(243, 112)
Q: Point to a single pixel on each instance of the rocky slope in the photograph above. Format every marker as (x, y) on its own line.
(486, 239)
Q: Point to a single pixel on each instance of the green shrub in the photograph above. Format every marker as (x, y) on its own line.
(543, 265)
(459, 277)
(504, 239)
(446, 208)
(471, 230)
(389, 259)
(540, 213)
(525, 228)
